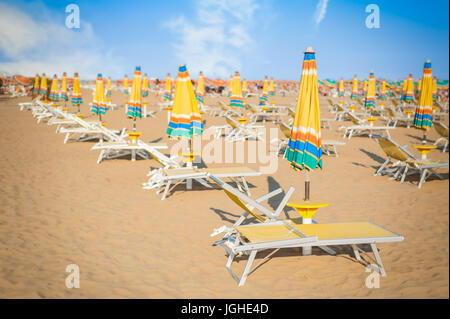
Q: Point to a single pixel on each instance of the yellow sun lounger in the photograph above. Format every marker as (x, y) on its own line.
(251, 239)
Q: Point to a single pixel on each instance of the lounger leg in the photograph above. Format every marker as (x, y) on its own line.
(404, 174)
(378, 259)
(100, 157)
(423, 177)
(378, 172)
(245, 186)
(66, 138)
(335, 151)
(248, 267)
(133, 155)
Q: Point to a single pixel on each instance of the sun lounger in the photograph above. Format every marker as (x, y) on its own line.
(406, 163)
(240, 132)
(362, 127)
(442, 130)
(394, 118)
(251, 239)
(164, 178)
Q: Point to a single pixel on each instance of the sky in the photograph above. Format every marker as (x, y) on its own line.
(255, 37)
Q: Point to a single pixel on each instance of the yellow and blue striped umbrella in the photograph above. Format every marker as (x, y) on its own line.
(265, 94)
(382, 95)
(125, 84)
(185, 119)
(370, 95)
(423, 116)
(43, 89)
(244, 87)
(63, 94)
(304, 148)
(108, 90)
(98, 103)
(200, 91)
(230, 86)
(134, 103)
(54, 89)
(419, 86)
(36, 85)
(354, 88)
(409, 93)
(434, 88)
(168, 88)
(271, 87)
(145, 88)
(76, 93)
(236, 99)
(341, 87)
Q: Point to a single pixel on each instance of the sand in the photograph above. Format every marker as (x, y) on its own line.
(59, 207)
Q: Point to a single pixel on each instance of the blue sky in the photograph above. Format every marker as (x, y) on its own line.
(258, 38)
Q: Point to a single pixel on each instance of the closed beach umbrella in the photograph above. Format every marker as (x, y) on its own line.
(168, 88)
(383, 90)
(43, 89)
(341, 87)
(230, 86)
(125, 84)
(76, 93)
(409, 94)
(423, 115)
(99, 104)
(145, 88)
(304, 149)
(108, 90)
(265, 94)
(354, 88)
(419, 86)
(236, 100)
(200, 91)
(434, 88)
(36, 85)
(134, 103)
(271, 87)
(370, 95)
(63, 94)
(244, 87)
(54, 89)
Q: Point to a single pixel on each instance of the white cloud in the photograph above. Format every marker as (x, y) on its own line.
(321, 10)
(215, 38)
(31, 46)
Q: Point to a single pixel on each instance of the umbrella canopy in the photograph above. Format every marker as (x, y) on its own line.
(108, 90)
(134, 103)
(76, 93)
(125, 84)
(99, 104)
(145, 89)
(185, 119)
(244, 87)
(43, 89)
(230, 86)
(409, 94)
(36, 85)
(419, 86)
(54, 89)
(63, 94)
(265, 94)
(304, 148)
(370, 95)
(200, 92)
(236, 100)
(341, 87)
(383, 90)
(354, 88)
(434, 88)
(423, 116)
(271, 87)
(168, 89)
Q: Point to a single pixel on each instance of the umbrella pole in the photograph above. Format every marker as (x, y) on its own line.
(424, 139)
(307, 185)
(134, 123)
(189, 163)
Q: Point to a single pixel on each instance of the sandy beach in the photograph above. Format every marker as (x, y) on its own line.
(59, 207)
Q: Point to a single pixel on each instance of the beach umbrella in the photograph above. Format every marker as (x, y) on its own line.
(304, 150)
(409, 93)
(271, 87)
(76, 93)
(145, 89)
(36, 85)
(63, 94)
(434, 88)
(341, 87)
(108, 91)
(419, 85)
(365, 87)
(370, 95)
(230, 86)
(265, 94)
(168, 89)
(200, 91)
(244, 87)
(383, 90)
(236, 99)
(354, 88)
(43, 89)
(423, 115)
(134, 103)
(54, 89)
(99, 104)
(125, 84)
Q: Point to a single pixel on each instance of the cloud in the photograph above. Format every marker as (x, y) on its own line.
(37, 44)
(214, 39)
(321, 10)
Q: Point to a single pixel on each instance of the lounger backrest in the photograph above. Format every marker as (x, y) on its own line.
(392, 150)
(391, 112)
(231, 122)
(354, 119)
(286, 130)
(441, 129)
